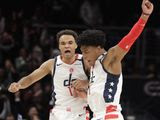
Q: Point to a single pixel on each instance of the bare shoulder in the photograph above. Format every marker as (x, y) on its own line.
(112, 62)
(110, 56)
(115, 54)
(48, 64)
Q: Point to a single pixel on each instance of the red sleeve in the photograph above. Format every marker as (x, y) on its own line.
(131, 37)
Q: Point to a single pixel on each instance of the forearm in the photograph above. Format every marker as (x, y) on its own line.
(26, 82)
(122, 48)
(36, 75)
(131, 37)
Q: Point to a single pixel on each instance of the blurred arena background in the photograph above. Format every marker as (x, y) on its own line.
(27, 38)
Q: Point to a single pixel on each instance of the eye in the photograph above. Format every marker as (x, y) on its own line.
(70, 42)
(62, 43)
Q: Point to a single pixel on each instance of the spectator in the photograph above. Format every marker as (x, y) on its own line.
(90, 12)
(33, 113)
(7, 45)
(10, 117)
(21, 62)
(5, 106)
(2, 22)
(35, 59)
(10, 72)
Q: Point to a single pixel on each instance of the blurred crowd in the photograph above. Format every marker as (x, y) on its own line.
(23, 47)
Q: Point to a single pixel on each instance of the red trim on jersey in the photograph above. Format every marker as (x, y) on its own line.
(111, 108)
(68, 109)
(111, 116)
(70, 91)
(87, 115)
(76, 56)
(131, 37)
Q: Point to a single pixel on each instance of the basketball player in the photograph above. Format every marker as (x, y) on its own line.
(105, 74)
(65, 68)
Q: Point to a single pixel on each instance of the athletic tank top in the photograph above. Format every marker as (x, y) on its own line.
(104, 88)
(63, 75)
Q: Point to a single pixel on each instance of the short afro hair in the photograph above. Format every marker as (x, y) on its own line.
(92, 38)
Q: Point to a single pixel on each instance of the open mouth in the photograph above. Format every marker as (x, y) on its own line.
(67, 51)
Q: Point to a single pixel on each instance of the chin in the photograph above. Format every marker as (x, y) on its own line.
(68, 56)
(92, 63)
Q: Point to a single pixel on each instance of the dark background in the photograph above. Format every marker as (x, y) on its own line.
(141, 66)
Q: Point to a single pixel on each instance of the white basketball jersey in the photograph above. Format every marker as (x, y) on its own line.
(104, 88)
(63, 75)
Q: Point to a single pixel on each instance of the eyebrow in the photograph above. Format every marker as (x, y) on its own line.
(70, 41)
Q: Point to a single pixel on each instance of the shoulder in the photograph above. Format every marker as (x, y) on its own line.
(50, 61)
(48, 64)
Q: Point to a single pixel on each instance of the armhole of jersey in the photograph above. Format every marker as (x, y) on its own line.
(85, 71)
(54, 67)
(53, 88)
(101, 61)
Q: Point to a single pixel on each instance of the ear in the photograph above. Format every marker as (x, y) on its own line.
(99, 48)
(76, 45)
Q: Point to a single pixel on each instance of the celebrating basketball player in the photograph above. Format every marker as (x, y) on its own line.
(106, 72)
(65, 68)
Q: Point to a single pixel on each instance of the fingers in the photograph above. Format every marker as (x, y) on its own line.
(14, 87)
(82, 93)
(76, 84)
(145, 1)
(74, 93)
(80, 84)
(148, 4)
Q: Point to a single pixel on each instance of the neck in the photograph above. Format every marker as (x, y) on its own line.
(102, 51)
(69, 60)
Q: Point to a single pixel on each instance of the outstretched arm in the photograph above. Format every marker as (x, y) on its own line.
(36, 75)
(112, 63)
(121, 49)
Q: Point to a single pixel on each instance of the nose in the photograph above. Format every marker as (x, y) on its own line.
(66, 45)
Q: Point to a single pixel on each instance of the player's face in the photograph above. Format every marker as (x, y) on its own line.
(67, 46)
(90, 54)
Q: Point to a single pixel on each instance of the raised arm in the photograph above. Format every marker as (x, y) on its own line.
(36, 75)
(112, 62)
(121, 49)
